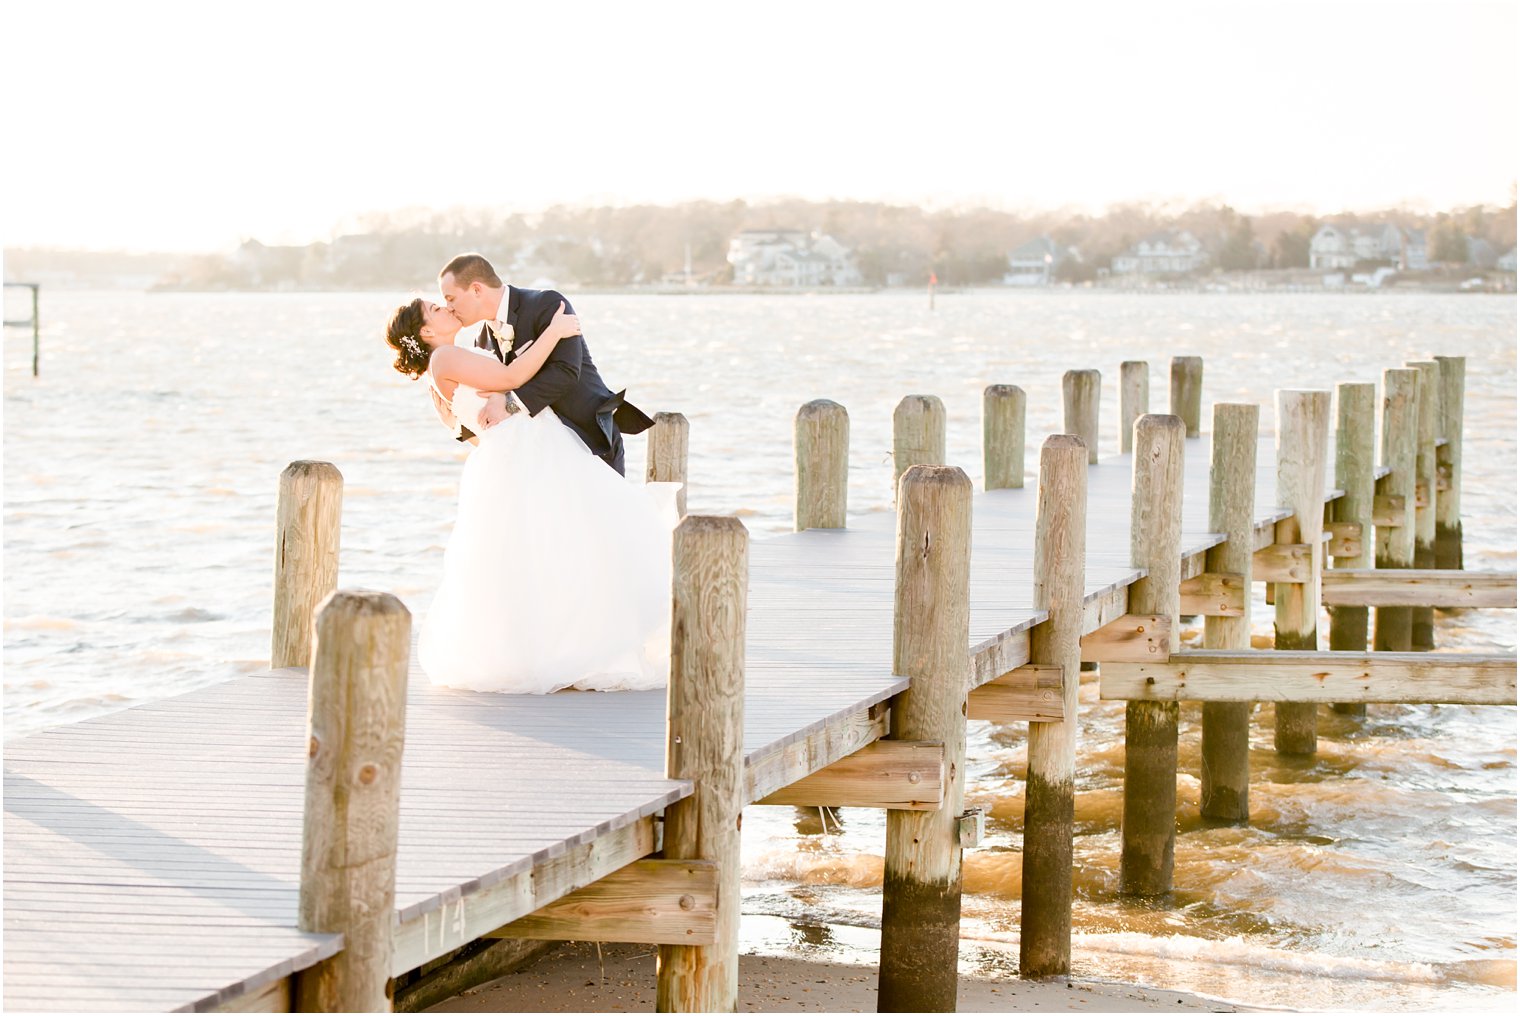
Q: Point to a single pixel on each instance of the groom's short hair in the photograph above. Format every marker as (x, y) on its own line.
(468, 269)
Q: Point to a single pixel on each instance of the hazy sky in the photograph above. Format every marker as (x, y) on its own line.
(175, 126)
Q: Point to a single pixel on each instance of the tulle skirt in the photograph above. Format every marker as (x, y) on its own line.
(557, 573)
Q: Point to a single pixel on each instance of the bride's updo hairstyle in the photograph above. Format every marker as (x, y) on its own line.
(404, 335)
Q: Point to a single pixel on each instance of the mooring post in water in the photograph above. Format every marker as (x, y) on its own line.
(823, 465)
(1187, 391)
(1422, 636)
(1134, 400)
(1395, 541)
(1150, 728)
(669, 439)
(1232, 511)
(1449, 463)
(307, 524)
(1003, 436)
(704, 743)
(1060, 540)
(1355, 461)
(921, 880)
(1303, 429)
(1081, 391)
(356, 723)
(918, 435)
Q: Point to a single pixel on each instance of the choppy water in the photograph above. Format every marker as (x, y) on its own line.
(140, 479)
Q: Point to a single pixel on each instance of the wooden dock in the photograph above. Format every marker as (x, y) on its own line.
(153, 857)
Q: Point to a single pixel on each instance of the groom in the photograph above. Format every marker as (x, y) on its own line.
(568, 381)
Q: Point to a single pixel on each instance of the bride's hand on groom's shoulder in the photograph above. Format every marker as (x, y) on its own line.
(564, 325)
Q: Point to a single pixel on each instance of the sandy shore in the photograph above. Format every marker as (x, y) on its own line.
(573, 979)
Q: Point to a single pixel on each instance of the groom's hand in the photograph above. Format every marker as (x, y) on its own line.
(494, 411)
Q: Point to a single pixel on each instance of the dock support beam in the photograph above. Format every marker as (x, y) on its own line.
(307, 524)
(1232, 511)
(1187, 391)
(918, 435)
(1081, 392)
(704, 729)
(1355, 459)
(1060, 542)
(1303, 427)
(1003, 436)
(1395, 543)
(669, 440)
(1134, 400)
(1448, 545)
(1422, 636)
(1150, 728)
(823, 465)
(921, 882)
(355, 732)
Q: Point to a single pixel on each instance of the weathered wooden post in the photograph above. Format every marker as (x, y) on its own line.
(1060, 541)
(921, 882)
(1150, 728)
(307, 524)
(668, 442)
(1081, 391)
(1448, 545)
(1003, 436)
(1395, 543)
(1303, 427)
(1187, 391)
(918, 435)
(1422, 635)
(1134, 399)
(1232, 511)
(1355, 459)
(704, 726)
(356, 720)
(823, 465)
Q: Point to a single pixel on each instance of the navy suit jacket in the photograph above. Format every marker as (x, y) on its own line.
(568, 381)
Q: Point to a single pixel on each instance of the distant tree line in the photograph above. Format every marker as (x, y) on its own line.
(893, 244)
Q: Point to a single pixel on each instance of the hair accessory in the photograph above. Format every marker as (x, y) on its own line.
(411, 345)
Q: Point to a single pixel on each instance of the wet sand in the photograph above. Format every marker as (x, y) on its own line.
(573, 979)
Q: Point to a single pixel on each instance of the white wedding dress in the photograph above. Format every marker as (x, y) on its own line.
(557, 574)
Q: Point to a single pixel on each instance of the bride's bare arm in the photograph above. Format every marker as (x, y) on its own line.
(460, 366)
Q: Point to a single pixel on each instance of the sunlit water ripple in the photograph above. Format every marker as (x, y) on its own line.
(140, 477)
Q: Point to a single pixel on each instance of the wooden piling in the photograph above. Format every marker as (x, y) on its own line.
(1081, 391)
(921, 883)
(1003, 436)
(1303, 426)
(918, 435)
(1060, 541)
(1422, 619)
(1355, 460)
(307, 526)
(1187, 391)
(669, 440)
(356, 720)
(1448, 544)
(1226, 767)
(1150, 728)
(1134, 399)
(1395, 544)
(823, 465)
(705, 744)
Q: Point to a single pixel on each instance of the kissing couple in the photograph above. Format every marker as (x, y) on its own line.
(557, 572)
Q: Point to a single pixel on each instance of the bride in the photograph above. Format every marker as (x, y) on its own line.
(557, 573)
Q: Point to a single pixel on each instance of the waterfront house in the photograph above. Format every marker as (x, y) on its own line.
(1168, 252)
(1034, 263)
(1348, 246)
(791, 257)
(1506, 262)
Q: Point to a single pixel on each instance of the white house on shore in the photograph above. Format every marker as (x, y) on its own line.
(1506, 262)
(1346, 246)
(1034, 263)
(791, 257)
(1162, 253)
